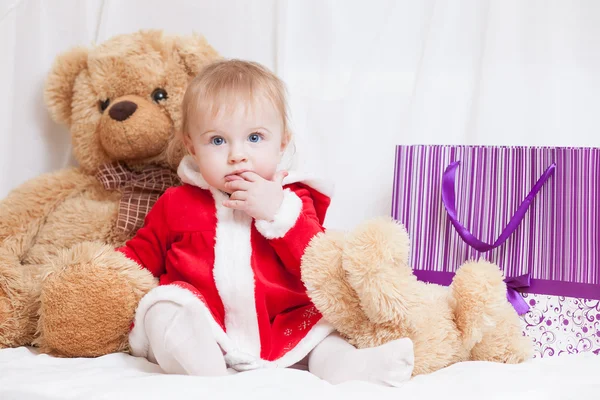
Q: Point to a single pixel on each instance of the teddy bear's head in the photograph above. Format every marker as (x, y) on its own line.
(121, 99)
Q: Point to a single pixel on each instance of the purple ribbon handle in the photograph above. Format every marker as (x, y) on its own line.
(512, 294)
(449, 200)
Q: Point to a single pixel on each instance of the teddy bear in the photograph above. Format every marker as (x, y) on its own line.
(61, 288)
(362, 283)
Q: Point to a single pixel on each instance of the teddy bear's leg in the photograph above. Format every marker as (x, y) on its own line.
(489, 324)
(506, 342)
(478, 293)
(326, 284)
(88, 301)
(375, 258)
(18, 302)
(437, 341)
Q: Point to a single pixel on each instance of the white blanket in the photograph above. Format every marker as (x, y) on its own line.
(25, 375)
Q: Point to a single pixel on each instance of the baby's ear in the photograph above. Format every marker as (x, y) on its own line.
(195, 53)
(189, 146)
(58, 93)
(286, 140)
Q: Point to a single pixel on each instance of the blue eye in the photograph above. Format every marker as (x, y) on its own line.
(217, 140)
(255, 138)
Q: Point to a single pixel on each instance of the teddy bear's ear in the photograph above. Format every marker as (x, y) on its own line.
(58, 92)
(195, 53)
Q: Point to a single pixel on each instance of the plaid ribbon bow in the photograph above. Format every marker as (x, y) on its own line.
(139, 191)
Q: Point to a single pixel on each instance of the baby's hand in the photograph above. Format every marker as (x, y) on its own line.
(258, 197)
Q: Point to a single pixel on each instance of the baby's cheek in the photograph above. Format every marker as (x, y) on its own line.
(269, 171)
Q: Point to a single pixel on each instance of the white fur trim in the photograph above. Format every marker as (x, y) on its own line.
(320, 185)
(242, 362)
(234, 276)
(138, 340)
(318, 332)
(284, 219)
(189, 173)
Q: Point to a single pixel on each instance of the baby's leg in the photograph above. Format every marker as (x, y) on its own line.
(337, 361)
(181, 341)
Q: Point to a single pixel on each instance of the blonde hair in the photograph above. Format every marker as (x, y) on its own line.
(223, 83)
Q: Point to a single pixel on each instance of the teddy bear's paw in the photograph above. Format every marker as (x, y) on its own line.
(18, 307)
(506, 344)
(520, 349)
(88, 301)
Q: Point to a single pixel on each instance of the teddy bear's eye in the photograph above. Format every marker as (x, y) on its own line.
(159, 95)
(103, 104)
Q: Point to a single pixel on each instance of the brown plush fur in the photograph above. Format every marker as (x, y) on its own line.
(68, 297)
(73, 284)
(362, 283)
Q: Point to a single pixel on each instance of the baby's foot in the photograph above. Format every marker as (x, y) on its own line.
(390, 364)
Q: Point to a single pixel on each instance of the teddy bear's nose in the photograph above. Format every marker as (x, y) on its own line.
(122, 110)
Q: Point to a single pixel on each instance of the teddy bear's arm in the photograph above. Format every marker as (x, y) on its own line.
(22, 214)
(25, 207)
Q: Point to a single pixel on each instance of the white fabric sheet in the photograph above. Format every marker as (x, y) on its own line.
(25, 375)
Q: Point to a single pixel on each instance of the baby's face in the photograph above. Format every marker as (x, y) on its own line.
(246, 137)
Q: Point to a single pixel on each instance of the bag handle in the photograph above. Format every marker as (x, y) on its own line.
(449, 200)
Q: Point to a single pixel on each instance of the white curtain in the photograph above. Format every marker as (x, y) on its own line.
(363, 76)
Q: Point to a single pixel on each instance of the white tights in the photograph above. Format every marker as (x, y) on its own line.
(182, 344)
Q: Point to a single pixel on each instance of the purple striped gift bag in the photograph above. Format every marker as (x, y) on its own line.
(534, 211)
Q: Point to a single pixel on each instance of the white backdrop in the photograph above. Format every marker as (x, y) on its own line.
(363, 76)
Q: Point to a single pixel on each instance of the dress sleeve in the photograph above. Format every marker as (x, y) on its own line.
(149, 246)
(293, 227)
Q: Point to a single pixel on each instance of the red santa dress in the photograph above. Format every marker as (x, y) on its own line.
(243, 274)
